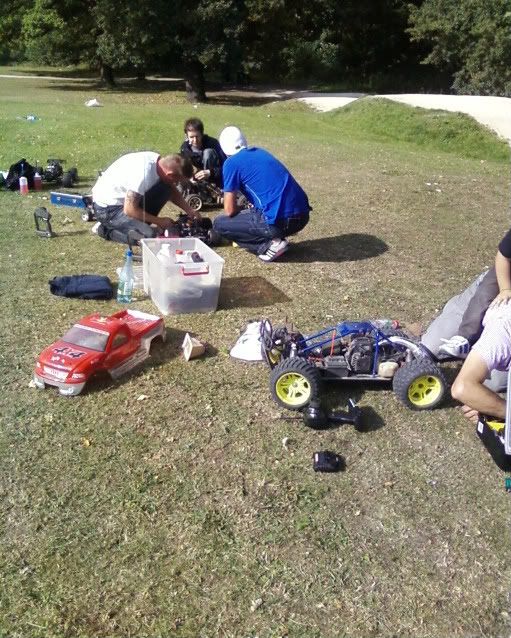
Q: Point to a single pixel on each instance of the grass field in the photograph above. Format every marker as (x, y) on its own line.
(183, 514)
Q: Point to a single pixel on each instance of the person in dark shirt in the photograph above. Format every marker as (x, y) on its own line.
(204, 152)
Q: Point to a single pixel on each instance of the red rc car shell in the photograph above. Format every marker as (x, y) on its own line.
(113, 344)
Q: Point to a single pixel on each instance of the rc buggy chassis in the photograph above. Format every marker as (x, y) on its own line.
(200, 229)
(54, 172)
(350, 350)
(199, 194)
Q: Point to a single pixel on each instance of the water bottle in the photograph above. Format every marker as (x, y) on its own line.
(164, 255)
(125, 287)
(38, 182)
(386, 324)
(23, 185)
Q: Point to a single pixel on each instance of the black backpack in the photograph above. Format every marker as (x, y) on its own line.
(20, 169)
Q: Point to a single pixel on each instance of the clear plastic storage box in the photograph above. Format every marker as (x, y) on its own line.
(181, 275)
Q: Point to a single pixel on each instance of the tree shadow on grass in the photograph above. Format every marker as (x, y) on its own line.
(239, 99)
(348, 247)
(218, 96)
(248, 292)
(83, 180)
(122, 86)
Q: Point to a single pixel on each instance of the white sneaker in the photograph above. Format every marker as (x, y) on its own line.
(277, 248)
(94, 229)
(456, 346)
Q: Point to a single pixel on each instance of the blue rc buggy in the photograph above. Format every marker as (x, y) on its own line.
(350, 350)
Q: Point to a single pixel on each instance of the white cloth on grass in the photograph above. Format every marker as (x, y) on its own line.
(248, 346)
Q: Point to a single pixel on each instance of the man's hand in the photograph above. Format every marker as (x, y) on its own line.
(194, 214)
(502, 298)
(204, 174)
(177, 199)
(470, 414)
(165, 223)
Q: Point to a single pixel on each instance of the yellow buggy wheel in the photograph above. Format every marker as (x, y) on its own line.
(420, 384)
(294, 383)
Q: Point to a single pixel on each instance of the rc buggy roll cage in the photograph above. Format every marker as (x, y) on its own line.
(350, 350)
(202, 193)
(54, 172)
(198, 194)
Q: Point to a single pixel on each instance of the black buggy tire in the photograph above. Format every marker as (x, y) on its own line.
(194, 201)
(420, 384)
(206, 223)
(294, 383)
(67, 179)
(214, 238)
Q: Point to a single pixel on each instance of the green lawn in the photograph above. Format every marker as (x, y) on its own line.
(183, 514)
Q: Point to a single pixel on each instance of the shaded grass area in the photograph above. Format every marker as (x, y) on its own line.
(183, 514)
(25, 68)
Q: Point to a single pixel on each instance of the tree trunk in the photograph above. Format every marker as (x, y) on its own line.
(107, 74)
(194, 82)
(140, 75)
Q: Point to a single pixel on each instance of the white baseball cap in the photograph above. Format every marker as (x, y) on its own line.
(232, 140)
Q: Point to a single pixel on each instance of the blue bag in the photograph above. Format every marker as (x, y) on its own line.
(82, 287)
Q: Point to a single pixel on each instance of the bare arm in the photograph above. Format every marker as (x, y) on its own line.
(469, 389)
(230, 204)
(503, 270)
(177, 199)
(133, 208)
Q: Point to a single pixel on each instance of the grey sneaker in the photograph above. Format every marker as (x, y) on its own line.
(277, 248)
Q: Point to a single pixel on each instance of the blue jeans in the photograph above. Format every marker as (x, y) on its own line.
(113, 218)
(250, 230)
(211, 162)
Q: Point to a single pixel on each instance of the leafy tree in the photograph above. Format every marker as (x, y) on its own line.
(205, 35)
(56, 33)
(133, 41)
(11, 20)
(327, 39)
(469, 38)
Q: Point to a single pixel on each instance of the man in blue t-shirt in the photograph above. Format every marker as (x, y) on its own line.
(279, 205)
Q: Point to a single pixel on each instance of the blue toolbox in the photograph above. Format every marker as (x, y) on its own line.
(75, 200)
